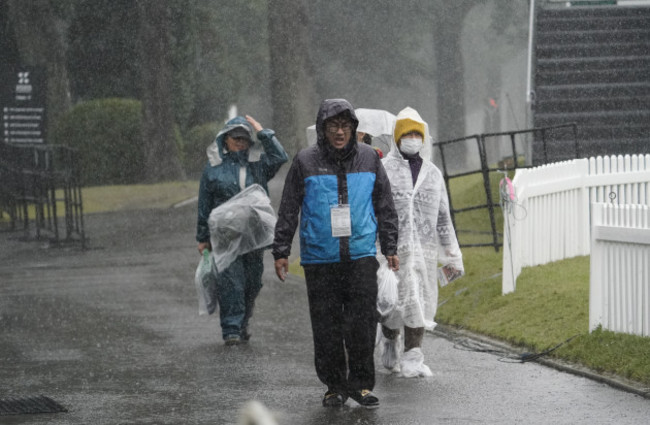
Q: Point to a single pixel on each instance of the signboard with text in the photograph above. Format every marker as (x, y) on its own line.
(23, 94)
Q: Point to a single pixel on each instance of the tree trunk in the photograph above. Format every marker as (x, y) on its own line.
(162, 161)
(450, 84)
(292, 90)
(41, 42)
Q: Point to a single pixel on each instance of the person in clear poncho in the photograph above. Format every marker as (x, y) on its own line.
(243, 154)
(426, 238)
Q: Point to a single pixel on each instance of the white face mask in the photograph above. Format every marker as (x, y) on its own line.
(410, 145)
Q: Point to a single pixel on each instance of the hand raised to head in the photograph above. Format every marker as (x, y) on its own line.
(257, 126)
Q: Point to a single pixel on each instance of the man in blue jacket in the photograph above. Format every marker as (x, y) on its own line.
(339, 190)
(242, 154)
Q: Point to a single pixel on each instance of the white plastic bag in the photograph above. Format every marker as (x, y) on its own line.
(205, 282)
(391, 352)
(387, 294)
(242, 224)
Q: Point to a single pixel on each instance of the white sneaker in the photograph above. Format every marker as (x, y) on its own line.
(390, 356)
(412, 364)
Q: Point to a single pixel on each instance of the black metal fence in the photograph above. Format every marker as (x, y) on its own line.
(36, 182)
(527, 148)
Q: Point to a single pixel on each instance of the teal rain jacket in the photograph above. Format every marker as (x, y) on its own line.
(227, 173)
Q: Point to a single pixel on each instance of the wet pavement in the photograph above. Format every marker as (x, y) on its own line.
(113, 334)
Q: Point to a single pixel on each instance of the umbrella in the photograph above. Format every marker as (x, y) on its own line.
(379, 124)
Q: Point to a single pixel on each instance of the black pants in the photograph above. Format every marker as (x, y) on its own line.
(343, 310)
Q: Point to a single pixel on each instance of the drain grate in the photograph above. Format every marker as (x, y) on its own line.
(29, 405)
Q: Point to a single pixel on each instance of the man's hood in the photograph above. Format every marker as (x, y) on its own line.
(330, 108)
(217, 149)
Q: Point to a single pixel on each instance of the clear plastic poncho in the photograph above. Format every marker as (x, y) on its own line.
(242, 224)
(426, 234)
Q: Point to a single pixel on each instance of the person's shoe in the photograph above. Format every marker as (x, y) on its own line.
(245, 336)
(231, 340)
(412, 364)
(390, 356)
(365, 398)
(333, 399)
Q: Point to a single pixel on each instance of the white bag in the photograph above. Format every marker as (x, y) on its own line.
(387, 294)
(205, 282)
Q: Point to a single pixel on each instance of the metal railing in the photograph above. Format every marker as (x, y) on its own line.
(514, 160)
(35, 182)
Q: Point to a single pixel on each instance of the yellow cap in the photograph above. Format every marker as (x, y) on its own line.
(406, 125)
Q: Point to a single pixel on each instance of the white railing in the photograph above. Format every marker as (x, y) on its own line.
(550, 219)
(619, 295)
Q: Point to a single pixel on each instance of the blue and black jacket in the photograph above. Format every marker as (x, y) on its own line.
(321, 177)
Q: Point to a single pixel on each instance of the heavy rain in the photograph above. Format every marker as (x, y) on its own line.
(136, 131)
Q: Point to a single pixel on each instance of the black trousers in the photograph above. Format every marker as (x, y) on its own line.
(343, 310)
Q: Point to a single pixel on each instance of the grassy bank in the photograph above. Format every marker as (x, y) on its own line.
(550, 305)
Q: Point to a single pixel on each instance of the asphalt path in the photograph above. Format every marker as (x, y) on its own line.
(113, 334)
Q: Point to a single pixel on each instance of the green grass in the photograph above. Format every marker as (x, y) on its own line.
(546, 308)
(474, 226)
(122, 198)
(550, 304)
(126, 197)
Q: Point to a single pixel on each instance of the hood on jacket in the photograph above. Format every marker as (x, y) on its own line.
(409, 118)
(217, 149)
(330, 108)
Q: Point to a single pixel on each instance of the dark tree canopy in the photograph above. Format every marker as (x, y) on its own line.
(189, 60)
(8, 45)
(103, 57)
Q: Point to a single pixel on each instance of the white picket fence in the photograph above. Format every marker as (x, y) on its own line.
(550, 218)
(619, 292)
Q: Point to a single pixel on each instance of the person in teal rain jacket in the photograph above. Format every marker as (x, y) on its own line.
(242, 154)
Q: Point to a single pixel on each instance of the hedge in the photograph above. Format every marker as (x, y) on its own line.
(108, 135)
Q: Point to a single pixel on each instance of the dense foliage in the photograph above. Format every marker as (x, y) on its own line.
(102, 55)
(274, 60)
(108, 136)
(213, 55)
